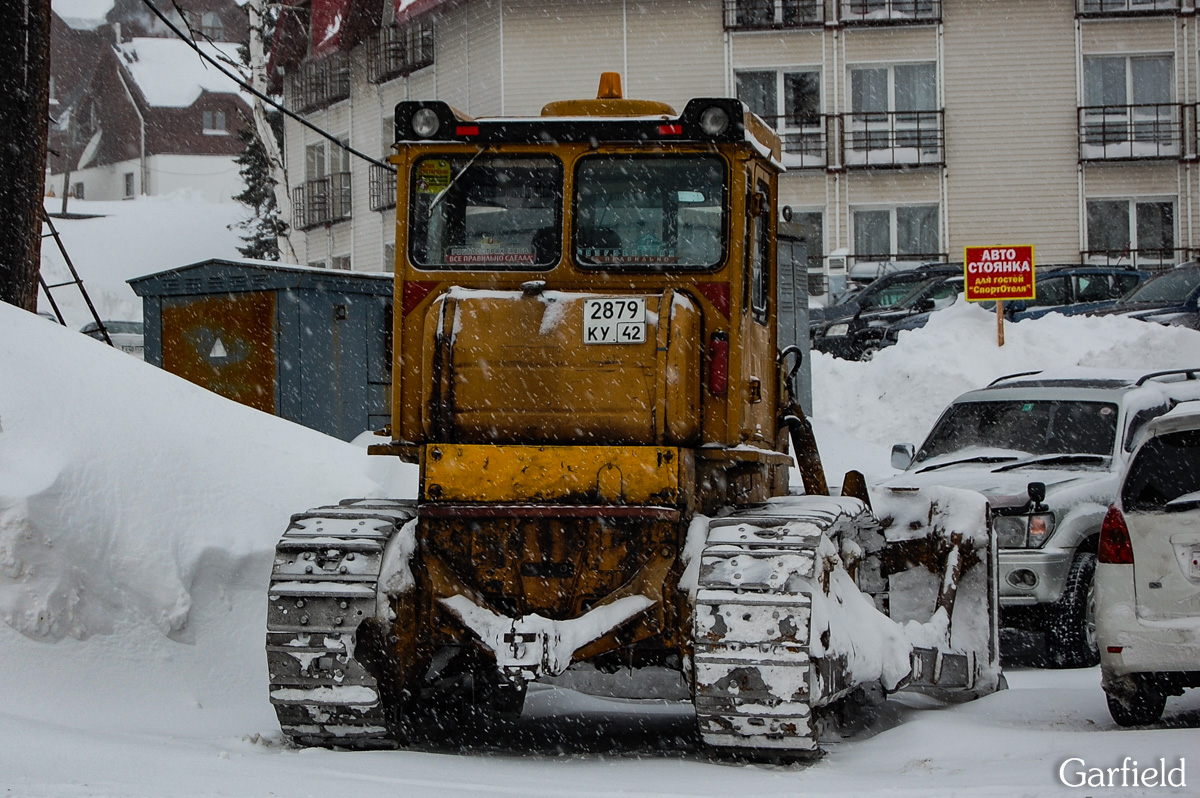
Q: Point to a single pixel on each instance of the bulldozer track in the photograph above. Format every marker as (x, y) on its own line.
(324, 584)
(756, 684)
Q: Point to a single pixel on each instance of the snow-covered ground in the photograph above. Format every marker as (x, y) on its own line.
(138, 514)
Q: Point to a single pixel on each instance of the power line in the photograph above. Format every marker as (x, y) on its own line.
(190, 42)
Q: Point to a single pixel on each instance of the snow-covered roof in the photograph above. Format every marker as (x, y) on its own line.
(82, 14)
(171, 75)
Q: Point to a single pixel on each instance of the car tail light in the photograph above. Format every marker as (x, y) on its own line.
(1115, 547)
(718, 364)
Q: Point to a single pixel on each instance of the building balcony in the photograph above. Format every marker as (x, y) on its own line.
(382, 187)
(881, 139)
(1149, 259)
(320, 83)
(322, 201)
(1124, 8)
(397, 52)
(1130, 132)
(889, 12)
(805, 139)
(773, 14)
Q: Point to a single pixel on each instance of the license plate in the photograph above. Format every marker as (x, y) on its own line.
(614, 320)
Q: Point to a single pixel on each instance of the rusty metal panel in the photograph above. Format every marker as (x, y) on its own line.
(588, 474)
(225, 343)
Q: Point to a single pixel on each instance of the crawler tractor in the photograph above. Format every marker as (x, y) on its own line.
(587, 370)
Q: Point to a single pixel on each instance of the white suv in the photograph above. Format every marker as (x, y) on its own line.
(1148, 577)
(1048, 450)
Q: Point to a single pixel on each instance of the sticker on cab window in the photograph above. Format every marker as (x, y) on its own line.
(433, 176)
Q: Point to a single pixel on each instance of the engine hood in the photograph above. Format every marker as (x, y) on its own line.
(1005, 486)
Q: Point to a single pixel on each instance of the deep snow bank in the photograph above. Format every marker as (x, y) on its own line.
(897, 396)
(117, 480)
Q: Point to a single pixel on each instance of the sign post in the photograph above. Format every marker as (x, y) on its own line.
(999, 274)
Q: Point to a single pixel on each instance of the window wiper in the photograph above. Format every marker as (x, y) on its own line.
(1057, 458)
(442, 194)
(983, 459)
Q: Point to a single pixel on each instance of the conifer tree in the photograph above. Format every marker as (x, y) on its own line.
(264, 226)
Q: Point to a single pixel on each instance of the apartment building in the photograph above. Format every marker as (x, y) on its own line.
(911, 128)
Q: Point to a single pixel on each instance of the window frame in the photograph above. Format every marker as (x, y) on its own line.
(648, 268)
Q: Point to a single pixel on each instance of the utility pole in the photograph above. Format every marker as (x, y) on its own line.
(24, 121)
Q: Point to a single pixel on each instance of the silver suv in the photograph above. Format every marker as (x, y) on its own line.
(1047, 449)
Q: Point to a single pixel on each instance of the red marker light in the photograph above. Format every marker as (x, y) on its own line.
(670, 130)
(718, 364)
(467, 130)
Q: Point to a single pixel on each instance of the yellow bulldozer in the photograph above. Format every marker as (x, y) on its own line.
(588, 372)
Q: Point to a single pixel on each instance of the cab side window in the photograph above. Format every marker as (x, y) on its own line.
(759, 245)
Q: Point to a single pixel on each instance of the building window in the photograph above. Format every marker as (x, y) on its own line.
(317, 84)
(398, 51)
(341, 262)
(894, 119)
(77, 191)
(211, 26)
(1122, 7)
(765, 14)
(797, 118)
(129, 185)
(389, 257)
(326, 195)
(891, 11)
(214, 122)
(1137, 232)
(904, 233)
(1128, 112)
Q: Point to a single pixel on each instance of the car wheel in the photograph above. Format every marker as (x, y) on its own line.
(1071, 636)
(1144, 705)
(868, 352)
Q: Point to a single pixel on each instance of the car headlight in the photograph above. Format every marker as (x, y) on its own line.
(837, 330)
(1023, 531)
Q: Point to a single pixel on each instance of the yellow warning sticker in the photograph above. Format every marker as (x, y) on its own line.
(433, 176)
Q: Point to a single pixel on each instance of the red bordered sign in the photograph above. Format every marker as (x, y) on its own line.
(1003, 273)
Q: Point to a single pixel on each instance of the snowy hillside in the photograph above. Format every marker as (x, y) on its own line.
(129, 239)
(137, 519)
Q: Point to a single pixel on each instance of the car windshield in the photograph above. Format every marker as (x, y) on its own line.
(497, 212)
(889, 295)
(1165, 469)
(649, 213)
(935, 288)
(1033, 427)
(1172, 286)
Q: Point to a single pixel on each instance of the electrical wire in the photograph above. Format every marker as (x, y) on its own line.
(190, 42)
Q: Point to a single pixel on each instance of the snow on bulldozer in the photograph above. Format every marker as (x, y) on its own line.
(588, 371)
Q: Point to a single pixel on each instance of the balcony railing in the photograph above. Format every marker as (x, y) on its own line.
(399, 51)
(771, 14)
(893, 138)
(805, 140)
(1120, 8)
(320, 83)
(382, 187)
(322, 201)
(1150, 258)
(1127, 132)
(890, 12)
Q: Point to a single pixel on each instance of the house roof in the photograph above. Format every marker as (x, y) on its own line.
(411, 9)
(171, 75)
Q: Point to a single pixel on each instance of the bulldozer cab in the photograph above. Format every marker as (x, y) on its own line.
(600, 275)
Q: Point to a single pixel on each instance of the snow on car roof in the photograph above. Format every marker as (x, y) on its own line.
(172, 75)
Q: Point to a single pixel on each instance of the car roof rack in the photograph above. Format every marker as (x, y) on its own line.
(1191, 375)
(1013, 376)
